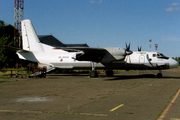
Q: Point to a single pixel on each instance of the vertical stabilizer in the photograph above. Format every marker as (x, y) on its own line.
(30, 39)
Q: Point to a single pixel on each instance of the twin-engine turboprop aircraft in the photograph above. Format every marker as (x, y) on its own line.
(87, 57)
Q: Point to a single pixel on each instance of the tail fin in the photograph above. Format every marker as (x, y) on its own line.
(30, 39)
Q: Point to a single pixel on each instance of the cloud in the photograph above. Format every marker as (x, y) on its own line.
(92, 1)
(171, 39)
(172, 9)
(95, 1)
(174, 4)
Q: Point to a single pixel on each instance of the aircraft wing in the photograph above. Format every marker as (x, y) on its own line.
(15, 49)
(88, 53)
(85, 49)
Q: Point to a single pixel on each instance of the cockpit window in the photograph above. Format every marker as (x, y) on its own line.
(160, 55)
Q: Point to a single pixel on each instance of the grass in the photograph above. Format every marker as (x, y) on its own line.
(69, 111)
(135, 106)
(72, 97)
(1, 81)
(7, 71)
(159, 114)
(128, 113)
(5, 77)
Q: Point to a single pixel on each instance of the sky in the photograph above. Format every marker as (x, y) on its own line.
(105, 23)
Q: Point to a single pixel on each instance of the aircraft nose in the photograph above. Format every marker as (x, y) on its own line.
(173, 63)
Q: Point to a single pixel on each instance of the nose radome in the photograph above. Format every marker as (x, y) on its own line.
(173, 63)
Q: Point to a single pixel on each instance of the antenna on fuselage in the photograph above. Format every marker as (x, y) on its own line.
(156, 46)
(150, 45)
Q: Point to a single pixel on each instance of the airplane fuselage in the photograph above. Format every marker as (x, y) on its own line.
(137, 60)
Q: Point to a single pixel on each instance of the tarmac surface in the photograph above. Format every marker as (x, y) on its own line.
(125, 96)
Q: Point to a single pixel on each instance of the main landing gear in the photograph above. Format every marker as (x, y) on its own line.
(93, 73)
(109, 73)
(159, 75)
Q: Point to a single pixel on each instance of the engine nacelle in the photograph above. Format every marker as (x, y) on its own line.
(117, 53)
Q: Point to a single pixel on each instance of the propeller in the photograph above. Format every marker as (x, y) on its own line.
(139, 49)
(128, 51)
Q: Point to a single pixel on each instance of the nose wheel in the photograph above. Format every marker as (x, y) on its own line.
(159, 75)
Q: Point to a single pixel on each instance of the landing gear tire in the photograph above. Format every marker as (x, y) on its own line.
(109, 73)
(159, 75)
(93, 74)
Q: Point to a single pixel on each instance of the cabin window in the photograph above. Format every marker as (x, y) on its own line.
(154, 55)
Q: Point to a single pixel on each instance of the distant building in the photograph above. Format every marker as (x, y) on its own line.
(52, 41)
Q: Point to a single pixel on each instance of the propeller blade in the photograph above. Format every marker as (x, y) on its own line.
(139, 49)
(127, 47)
(128, 51)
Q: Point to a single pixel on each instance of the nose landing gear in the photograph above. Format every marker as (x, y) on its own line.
(159, 75)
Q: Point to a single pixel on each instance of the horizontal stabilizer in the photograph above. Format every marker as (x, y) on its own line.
(15, 49)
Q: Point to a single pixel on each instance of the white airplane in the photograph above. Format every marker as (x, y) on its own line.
(87, 57)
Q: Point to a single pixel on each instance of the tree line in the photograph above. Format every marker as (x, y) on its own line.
(8, 58)
(177, 59)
